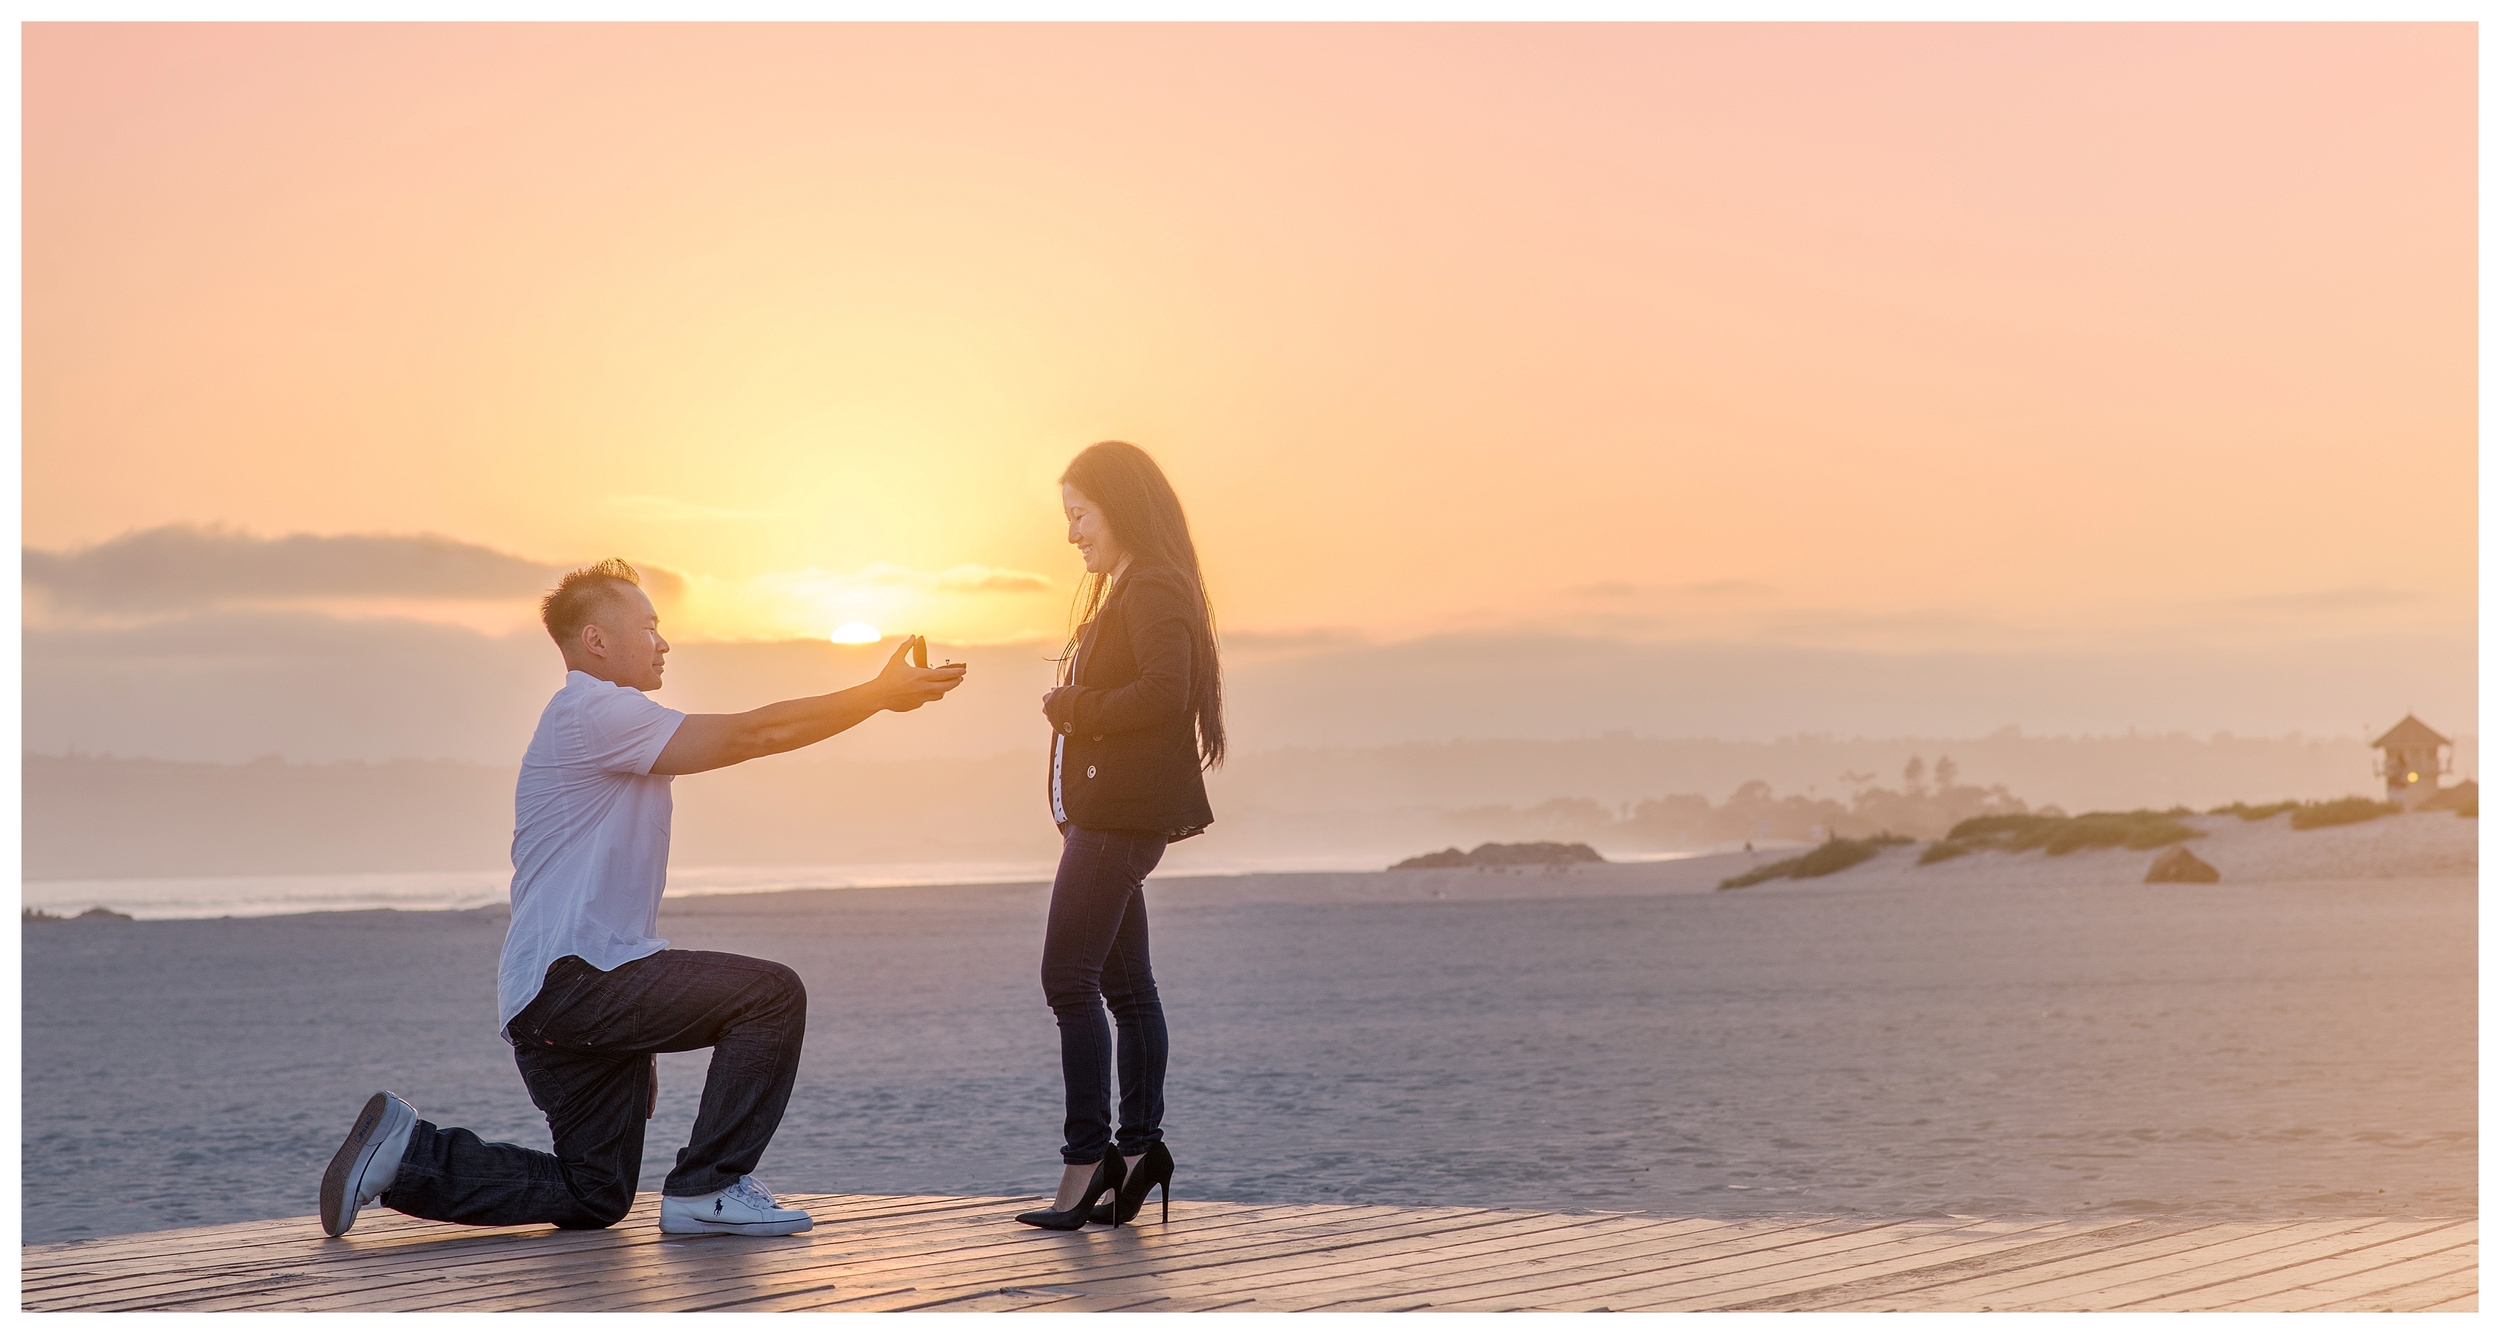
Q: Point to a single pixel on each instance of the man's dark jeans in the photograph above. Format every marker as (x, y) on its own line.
(1093, 952)
(585, 1047)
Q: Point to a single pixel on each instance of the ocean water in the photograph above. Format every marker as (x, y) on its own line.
(170, 897)
(1631, 1041)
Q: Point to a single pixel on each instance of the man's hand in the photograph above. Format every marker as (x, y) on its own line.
(715, 740)
(905, 687)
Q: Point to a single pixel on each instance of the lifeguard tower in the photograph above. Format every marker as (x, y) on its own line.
(2411, 759)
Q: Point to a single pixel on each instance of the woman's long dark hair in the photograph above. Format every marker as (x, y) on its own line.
(1146, 519)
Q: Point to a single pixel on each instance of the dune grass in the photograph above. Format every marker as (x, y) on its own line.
(1837, 854)
(2058, 835)
(2349, 810)
(2247, 812)
(1503, 855)
(2312, 814)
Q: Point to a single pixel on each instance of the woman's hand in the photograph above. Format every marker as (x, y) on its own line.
(1047, 697)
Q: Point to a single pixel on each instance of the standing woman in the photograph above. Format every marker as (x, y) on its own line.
(1137, 718)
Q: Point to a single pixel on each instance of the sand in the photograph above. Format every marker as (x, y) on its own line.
(2003, 1034)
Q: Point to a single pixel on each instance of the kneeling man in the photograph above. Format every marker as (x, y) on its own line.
(588, 995)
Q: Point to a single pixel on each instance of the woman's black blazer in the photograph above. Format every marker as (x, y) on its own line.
(1131, 752)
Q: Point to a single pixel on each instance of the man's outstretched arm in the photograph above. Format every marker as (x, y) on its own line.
(718, 740)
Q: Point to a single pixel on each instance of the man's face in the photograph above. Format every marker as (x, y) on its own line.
(623, 643)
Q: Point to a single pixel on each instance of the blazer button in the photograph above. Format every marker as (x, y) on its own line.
(1098, 736)
(1089, 771)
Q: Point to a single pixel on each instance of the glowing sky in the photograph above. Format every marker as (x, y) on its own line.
(1880, 337)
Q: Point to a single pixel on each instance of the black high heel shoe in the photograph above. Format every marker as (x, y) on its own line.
(1152, 1170)
(1108, 1175)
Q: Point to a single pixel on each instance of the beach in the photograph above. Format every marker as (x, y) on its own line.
(2008, 1034)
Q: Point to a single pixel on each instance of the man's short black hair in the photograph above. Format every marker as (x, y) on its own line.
(577, 597)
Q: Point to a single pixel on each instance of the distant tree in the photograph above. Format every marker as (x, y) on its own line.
(1946, 772)
(1914, 774)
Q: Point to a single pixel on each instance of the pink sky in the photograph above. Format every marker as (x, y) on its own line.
(1890, 337)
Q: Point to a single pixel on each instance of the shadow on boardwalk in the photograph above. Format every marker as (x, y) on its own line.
(894, 1253)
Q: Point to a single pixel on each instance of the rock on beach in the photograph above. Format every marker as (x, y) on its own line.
(2181, 867)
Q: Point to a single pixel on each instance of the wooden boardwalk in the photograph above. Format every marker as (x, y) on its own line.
(905, 1253)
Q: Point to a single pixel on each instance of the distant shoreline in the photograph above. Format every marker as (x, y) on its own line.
(207, 898)
(2423, 845)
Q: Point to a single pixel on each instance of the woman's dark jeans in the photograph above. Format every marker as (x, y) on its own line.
(585, 1047)
(1094, 952)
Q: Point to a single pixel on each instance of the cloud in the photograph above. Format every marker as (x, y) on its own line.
(1719, 588)
(979, 601)
(983, 579)
(662, 583)
(1296, 641)
(1713, 588)
(181, 566)
(957, 579)
(960, 579)
(1609, 589)
(663, 509)
(2356, 597)
(184, 567)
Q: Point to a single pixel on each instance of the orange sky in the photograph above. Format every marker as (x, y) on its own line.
(1906, 336)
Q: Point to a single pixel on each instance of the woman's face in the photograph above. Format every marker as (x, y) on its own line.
(1090, 532)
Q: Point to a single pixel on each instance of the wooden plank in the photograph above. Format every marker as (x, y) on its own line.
(1779, 1284)
(301, 1257)
(1650, 1245)
(857, 1234)
(368, 1259)
(374, 1222)
(432, 1249)
(1012, 1253)
(653, 1253)
(112, 1254)
(2192, 1281)
(2131, 1262)
(1023, 1249)
(1800, 1269)
(1252, 1250)
(1739, 1262)
(1520, 1251)
(999, 1252)
(666, 1260)
(1494, 1231)
(2203, 1286)
(1970, 1284)
(1129, 1285)
(1508, 1236)
(1736, 1244)
(427, 1246)
(967, 1254)
(2280, 1271)
(2403, 1286)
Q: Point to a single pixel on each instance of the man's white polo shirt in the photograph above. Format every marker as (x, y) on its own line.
(589, 836)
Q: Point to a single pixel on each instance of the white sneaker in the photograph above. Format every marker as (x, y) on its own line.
(745, 1209)
(367, 1162)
